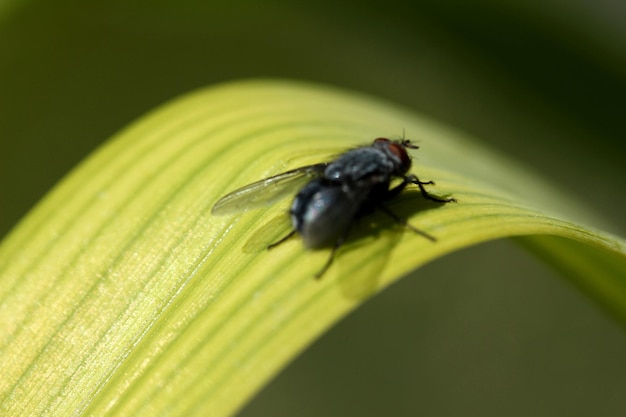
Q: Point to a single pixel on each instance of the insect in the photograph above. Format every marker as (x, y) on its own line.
(333, 194)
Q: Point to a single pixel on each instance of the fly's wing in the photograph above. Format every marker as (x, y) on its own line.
(267, 191)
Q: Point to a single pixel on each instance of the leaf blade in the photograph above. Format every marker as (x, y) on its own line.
(123, 280)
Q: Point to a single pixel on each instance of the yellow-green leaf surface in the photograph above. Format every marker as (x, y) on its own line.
(121, 295)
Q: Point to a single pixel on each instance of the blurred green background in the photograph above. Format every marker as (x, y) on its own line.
(488, 331)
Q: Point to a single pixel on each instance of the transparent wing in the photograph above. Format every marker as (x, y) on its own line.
(267, 191)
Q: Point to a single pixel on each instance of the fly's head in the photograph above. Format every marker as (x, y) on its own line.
(397, 151)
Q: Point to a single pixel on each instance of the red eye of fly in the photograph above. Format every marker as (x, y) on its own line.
(399, 150)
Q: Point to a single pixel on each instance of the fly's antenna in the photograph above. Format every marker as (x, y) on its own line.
(407, 142)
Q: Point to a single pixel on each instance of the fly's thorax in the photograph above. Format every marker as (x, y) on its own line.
(361, 163)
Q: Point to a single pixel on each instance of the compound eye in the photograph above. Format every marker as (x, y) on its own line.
(381, 141)
(399, 150)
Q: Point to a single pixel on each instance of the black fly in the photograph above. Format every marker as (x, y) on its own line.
(336, 193)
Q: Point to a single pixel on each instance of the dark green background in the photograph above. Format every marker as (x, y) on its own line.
(488, 331)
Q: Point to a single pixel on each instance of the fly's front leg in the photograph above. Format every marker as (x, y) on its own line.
(414, 180)
(397, 189)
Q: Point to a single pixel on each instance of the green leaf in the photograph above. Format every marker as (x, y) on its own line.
(122, 295)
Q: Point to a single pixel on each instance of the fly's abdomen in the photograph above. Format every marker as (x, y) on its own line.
(321, 212)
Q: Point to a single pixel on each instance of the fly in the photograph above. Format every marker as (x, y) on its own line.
(333, 194)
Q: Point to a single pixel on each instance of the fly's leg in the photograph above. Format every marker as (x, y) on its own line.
(406, 224)
(397, 189)
(338, 243)
(283, 239)
(412, 179)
